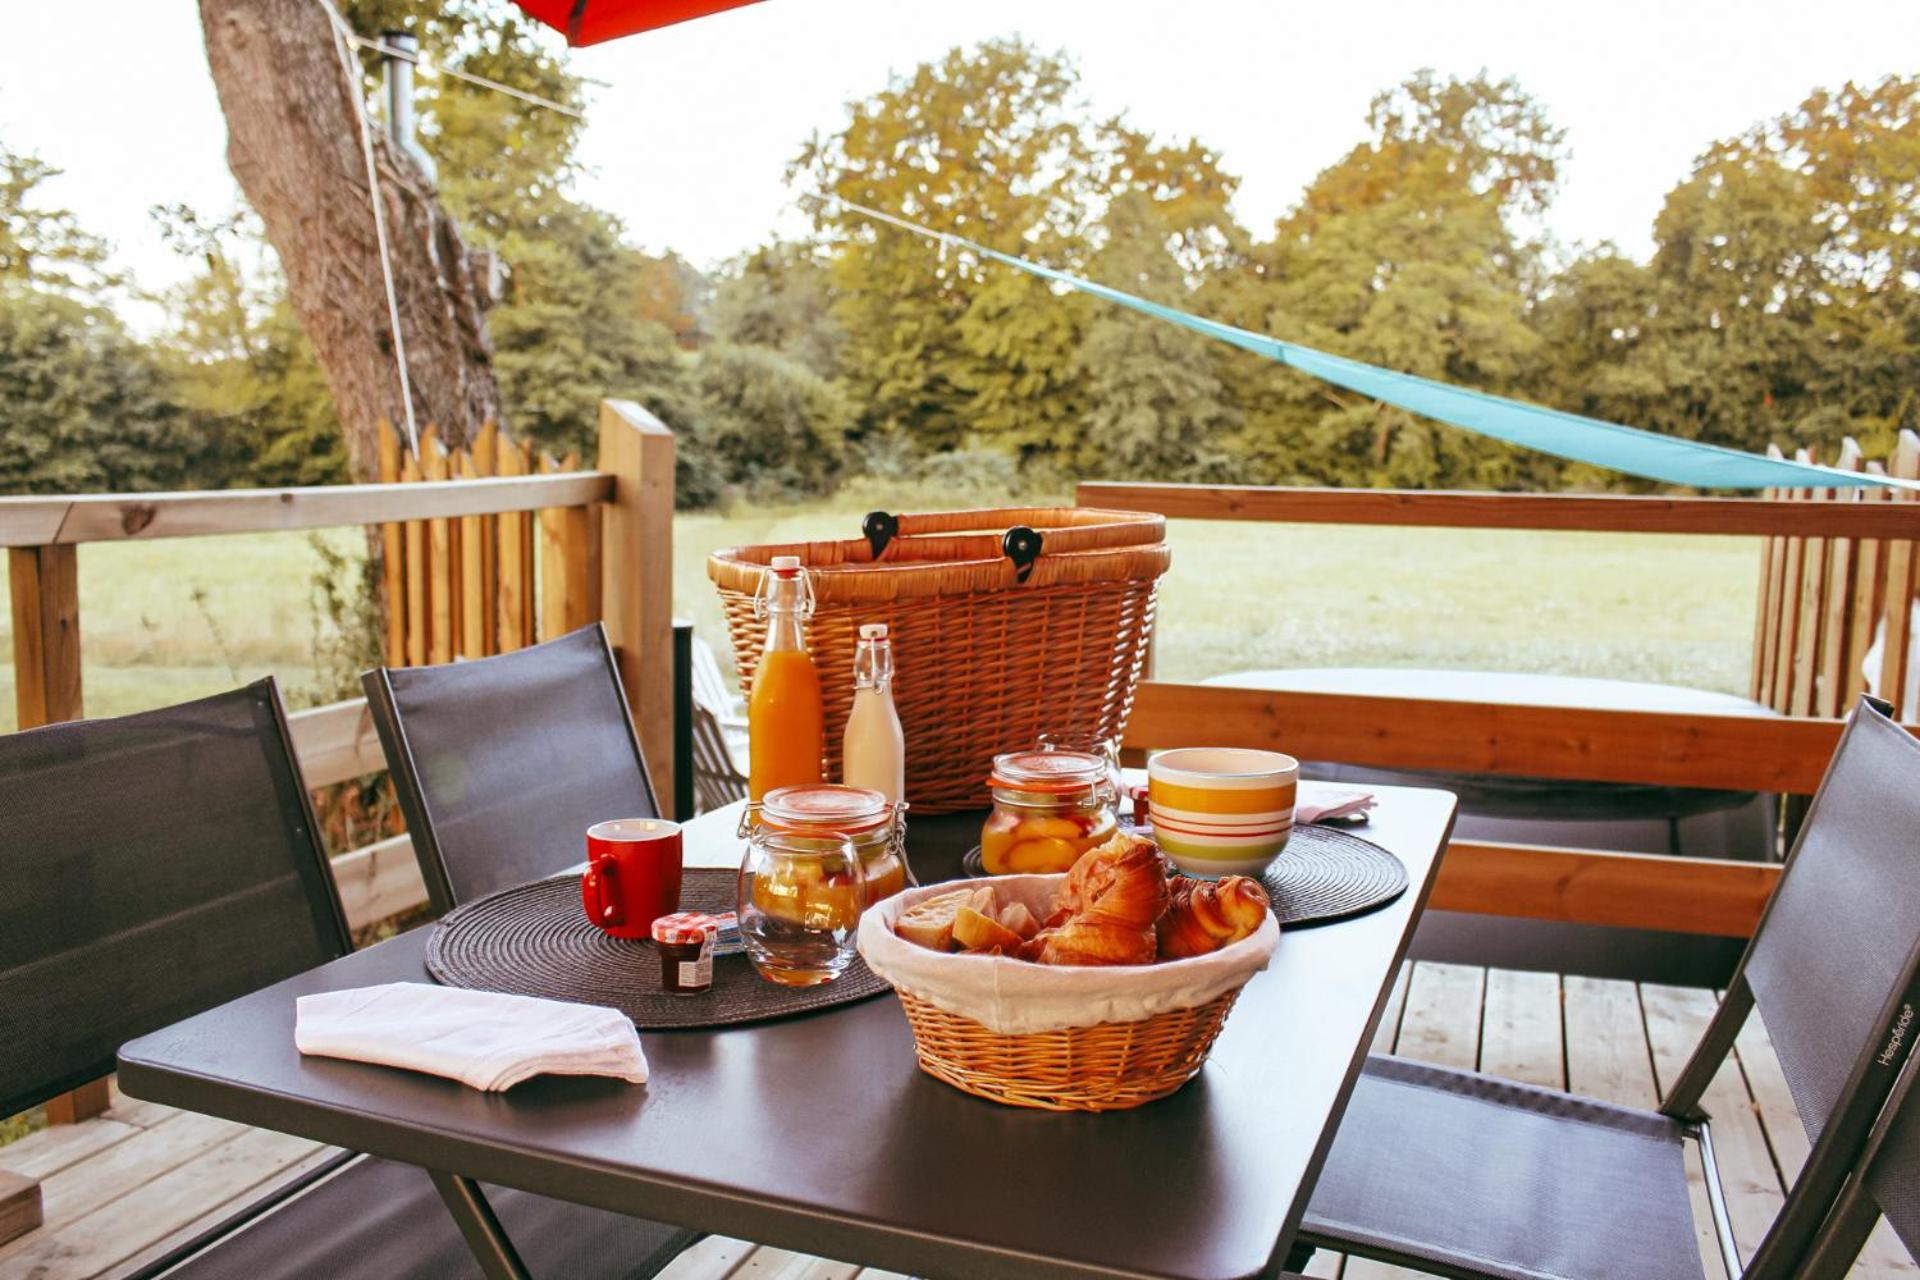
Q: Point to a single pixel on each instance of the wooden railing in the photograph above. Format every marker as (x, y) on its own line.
(612, 547)
(1733, 752)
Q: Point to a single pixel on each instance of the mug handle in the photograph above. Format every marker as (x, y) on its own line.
(603, 886)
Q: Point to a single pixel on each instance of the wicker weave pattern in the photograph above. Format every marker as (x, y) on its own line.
(1108, 1067)
(985, 663)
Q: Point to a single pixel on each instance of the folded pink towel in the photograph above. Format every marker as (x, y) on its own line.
(1328, 802)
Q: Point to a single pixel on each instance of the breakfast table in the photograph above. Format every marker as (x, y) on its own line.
(817, 1133)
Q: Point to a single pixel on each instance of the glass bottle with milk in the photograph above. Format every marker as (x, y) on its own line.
(874, 751)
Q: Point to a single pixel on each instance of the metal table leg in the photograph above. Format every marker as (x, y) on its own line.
(482, 1229)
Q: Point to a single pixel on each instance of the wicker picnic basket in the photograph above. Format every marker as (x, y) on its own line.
(1059, 1038)
(1007, 624)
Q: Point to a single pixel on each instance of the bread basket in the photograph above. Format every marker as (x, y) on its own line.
(1057, 1037)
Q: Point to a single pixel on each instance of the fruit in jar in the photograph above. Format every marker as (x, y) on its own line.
(886, 875)
(806, 894)
(1014, 843)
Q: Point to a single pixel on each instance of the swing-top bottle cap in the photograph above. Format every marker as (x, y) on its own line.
(873, 631)
(784, 565)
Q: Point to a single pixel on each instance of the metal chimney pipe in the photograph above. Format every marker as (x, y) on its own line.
(402, 51)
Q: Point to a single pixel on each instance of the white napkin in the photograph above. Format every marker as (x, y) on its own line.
(482, 1038)
(1332, 802)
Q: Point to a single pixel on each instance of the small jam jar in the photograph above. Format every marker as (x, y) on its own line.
(1049, 807)
(685, 943)
(877, 828)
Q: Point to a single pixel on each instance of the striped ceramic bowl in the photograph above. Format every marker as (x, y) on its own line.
(1219, 811)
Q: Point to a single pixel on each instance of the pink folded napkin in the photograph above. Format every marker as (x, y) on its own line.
(1330, 802)
(485, 1039)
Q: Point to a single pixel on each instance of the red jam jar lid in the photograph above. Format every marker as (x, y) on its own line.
(685, 928)
(823, 807)
(1048, 771)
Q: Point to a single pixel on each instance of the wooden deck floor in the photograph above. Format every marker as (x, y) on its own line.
(119, 1188)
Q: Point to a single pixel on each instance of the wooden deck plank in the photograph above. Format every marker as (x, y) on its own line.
(94, 1243)
(126, 1167)
(47, 1151)
(1521, 1034)
(1607, 1044)
(712, 1258)
(1387, 1034)
(1441, 1023)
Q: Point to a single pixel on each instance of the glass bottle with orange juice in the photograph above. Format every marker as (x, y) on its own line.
(785, 734)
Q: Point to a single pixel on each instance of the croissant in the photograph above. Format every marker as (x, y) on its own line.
(1093, 939)
(1124, 879)
(1107, 907)
(1205, 916)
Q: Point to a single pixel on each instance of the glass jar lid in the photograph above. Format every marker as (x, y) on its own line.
(1048, 772)
(823, 808)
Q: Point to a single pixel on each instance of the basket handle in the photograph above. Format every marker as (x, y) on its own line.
(1067, 528)
(880, 529)
(1023, 546)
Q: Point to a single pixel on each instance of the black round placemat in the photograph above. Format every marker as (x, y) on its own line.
(535, 940)
(1327, 875)
(1323, 876)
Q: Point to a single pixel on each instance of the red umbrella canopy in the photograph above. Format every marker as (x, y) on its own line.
(591, 21)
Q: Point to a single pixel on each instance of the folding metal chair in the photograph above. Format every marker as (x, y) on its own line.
(1467, 1175)
(502, 763)
(156, 865)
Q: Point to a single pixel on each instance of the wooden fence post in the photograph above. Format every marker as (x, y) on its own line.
(45, 586)
(636, 560)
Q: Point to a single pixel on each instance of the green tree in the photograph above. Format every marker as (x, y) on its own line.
(1782, 304)
(755, 420)
(994, 144)
(780, 296)
(1156, 405)
(85, 407)
(83, 403)
(239, 366)
(41, 246)
(1410, 252)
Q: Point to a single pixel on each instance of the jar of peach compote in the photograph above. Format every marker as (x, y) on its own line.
(876, 827)
(1049, 807)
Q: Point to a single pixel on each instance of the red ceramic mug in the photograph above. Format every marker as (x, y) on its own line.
(633, 874)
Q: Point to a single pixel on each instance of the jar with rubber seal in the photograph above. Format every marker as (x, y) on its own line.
(876, 827)
(1049, 807)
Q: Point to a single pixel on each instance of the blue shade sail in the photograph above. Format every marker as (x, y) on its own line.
(1566, 435)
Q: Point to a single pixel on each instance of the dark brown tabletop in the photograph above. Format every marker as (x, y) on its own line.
(819, 1134)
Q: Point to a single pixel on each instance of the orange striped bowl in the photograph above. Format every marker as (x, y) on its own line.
(1219, 811)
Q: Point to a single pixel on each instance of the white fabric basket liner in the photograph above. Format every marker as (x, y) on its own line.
(1018, 997)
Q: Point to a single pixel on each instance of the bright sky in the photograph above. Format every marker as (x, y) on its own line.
(689, 140)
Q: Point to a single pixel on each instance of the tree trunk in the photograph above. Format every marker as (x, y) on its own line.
(294, 145)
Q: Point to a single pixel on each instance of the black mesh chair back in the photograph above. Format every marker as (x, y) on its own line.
(151, 866)
(503, 763)
(1835, 953)
(1834, 966)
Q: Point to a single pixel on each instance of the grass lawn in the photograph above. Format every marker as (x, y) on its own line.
(168, 620)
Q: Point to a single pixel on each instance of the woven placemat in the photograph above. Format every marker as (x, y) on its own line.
(1325, 875)
(535, 940)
